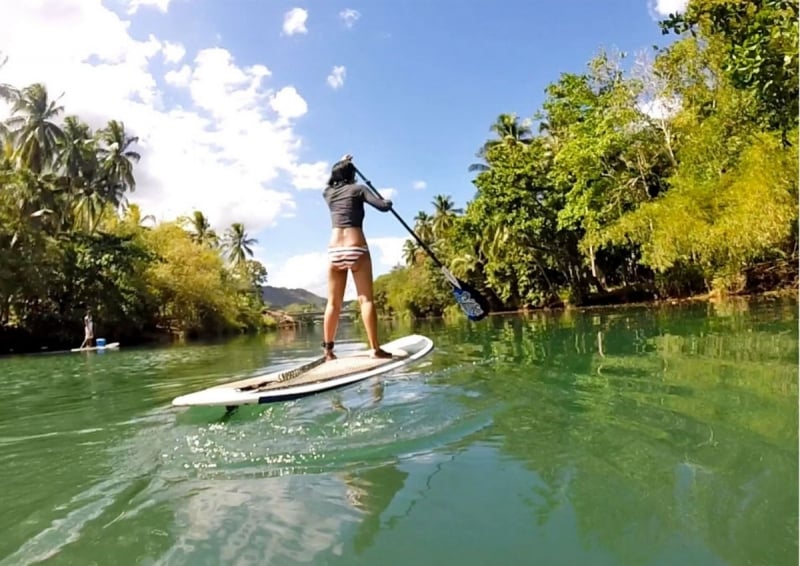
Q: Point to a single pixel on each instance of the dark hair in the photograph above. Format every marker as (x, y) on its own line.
(342, 173)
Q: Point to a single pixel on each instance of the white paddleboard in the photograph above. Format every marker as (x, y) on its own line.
(310, 378)
(111, 346)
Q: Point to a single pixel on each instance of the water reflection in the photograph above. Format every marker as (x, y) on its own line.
(370, 491)
(661, 428)
(630, 436)
(654, 429)
(279, 520)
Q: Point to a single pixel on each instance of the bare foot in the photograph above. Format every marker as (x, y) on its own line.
(379, 353)
(329, 355)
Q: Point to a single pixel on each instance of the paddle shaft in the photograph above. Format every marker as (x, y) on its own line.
(403, 222)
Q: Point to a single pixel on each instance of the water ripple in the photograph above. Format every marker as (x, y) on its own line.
(516, 442)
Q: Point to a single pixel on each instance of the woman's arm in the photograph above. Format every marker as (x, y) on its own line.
(381, 204)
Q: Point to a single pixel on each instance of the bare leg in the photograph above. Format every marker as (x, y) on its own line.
(337, 281)
(362, 275)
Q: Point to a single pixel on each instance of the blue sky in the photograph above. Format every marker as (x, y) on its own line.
(423, 82)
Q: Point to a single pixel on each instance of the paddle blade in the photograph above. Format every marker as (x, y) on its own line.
(474, 305)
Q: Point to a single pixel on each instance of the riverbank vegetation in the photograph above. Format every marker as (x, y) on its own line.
(670, 176)
(70, 240)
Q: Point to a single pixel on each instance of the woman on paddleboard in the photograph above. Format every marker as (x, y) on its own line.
(88, 329)
(348, 251)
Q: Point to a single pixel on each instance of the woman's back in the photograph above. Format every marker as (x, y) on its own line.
(346, 205)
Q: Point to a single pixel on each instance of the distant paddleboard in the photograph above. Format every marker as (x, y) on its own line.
(310, 378)
(111, 346)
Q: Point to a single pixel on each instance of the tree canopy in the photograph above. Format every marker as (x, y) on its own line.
(71, 240)
(668, 175)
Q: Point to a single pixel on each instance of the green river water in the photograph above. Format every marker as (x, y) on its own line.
(653, 436)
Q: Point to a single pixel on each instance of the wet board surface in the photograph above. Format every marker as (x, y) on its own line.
(337, 368)
(311, 377)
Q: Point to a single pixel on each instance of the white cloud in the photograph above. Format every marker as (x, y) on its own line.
(420, 185)
(173, 52)
(310, 270)
(288, 103)
(388, 193)
(307, 271)
(336, 78)
(221, 87)
(311, 175)
(179, 78)
(349, 17)
(134, 5)
(221, 153)
(391, 251)
(294, 21)
(667, 7)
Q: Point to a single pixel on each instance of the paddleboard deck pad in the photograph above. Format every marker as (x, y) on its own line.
(311, 377)
(111, 346)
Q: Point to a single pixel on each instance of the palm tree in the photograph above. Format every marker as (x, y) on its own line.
(423, 226)
(9, 94)
(5, 146)
(76, 148)
(85, 183)
(133, 215)
(410, 251)
(444, 214)
(508, 129)
(6, 150)
(36, 198)
(201, 230)
(87, 210)
(31, 128)
(116, 159)
(237, 244)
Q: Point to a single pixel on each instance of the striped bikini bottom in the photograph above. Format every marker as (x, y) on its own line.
(345, 257)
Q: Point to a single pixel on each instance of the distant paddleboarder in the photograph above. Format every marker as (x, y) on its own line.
(348, 250)
(88, 329)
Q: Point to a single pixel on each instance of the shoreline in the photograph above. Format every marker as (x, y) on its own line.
(169, 338)
(691, 299)
(783, 292)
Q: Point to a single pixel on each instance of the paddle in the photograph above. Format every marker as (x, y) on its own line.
(474, 305)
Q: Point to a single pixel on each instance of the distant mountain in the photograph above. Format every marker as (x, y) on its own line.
(281, 297)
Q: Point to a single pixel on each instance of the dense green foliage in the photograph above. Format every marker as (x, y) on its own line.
(70, 240)
(670, 177)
